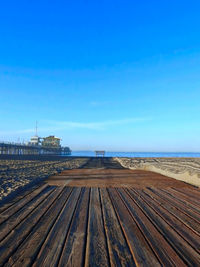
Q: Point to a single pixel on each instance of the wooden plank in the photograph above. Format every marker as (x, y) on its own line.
(21, 203)
(120, 254)
(185, 251)
(194, 194)
(182, 200)
(8, 202)
(96, 247)
(22, 213)
(179, 204)
(16, 237)
(167, 256)
(181, 228)
(29, 249)
(51, 249)
(195, 202)
(175, 210)
(141, 251)
(73, 253)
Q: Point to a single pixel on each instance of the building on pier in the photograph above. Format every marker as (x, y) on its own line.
(49, 146)
(35, 140)
(51, 141)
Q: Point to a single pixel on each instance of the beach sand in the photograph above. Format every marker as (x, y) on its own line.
(183, 169)
(16, 174)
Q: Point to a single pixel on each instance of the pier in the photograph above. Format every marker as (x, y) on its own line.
(8, 148)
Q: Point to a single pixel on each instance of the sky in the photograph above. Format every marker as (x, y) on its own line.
(110, 75)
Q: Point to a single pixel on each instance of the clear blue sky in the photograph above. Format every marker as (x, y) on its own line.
(114, 75)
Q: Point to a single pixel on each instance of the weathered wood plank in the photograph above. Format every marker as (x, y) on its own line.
(17, 236)
(21, 214)
(175, 210)
(182, 199)
(181, 228)
(21, 203)
(189, 192)
(51, 249)
(73, 253)
(5, 204)
(120, 254)
(29, 249)
(141, 251)
(96, 248)
(185, 251)
(187, 198)
(179, 204)
(167, 256)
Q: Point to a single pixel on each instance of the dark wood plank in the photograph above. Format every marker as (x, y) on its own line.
(179, 204)
(175, 210)
(51, 249)
(189, 192)
(16, 237)
(181, 228)
(166, 254)
(120, 254)
(22, 213)
(182, 199)
(21, 203)
(185, 251)
(141, 251)
(73, 253)
(8, 202)
(193, 201)
(28, 250)
(96, 248)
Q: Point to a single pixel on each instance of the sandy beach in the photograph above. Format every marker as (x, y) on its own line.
(17, 174)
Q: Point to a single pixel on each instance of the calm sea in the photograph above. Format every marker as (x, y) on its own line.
(138, 154)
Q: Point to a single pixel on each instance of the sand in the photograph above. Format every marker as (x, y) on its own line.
(15, 174)
(183, 169)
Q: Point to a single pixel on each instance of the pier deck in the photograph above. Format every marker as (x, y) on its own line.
(107, 216)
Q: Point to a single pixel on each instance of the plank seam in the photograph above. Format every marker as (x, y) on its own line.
(102, 216)
(179, 219)
(36, 225)
(26, 236)
(54, 221)
(171, 243)
(138, 226)
(120, 223)
(171, 202)
(87, 227)
(67, 233)
(50, 192)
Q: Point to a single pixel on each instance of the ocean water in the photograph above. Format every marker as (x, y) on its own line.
(139, 154)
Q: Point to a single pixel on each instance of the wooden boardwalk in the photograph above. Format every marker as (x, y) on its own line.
(133, 224)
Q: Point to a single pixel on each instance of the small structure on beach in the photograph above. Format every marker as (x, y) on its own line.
(100, 153)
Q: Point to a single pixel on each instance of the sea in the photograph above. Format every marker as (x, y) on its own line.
(139, 154)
